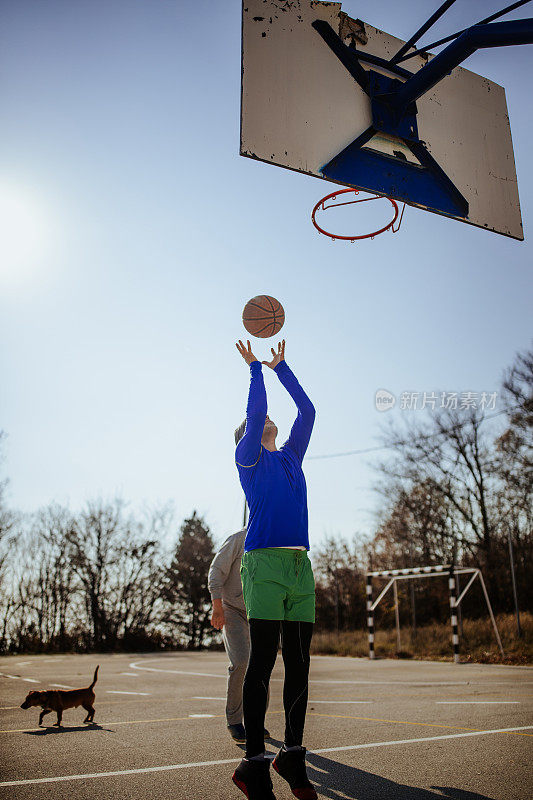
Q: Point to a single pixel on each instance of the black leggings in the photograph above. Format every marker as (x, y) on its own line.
(264, 641)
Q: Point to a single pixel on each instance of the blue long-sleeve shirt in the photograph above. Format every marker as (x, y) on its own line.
(273, 481)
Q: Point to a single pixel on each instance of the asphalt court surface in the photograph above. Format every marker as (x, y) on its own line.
(383, 729)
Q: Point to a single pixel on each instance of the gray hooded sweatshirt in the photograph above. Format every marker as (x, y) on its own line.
(224, 579)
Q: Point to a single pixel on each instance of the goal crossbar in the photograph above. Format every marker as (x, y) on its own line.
(435, 571)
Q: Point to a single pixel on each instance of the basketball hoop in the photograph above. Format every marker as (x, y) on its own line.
(333, 196)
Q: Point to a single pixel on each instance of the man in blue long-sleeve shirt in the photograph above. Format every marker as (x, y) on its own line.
(277, 578)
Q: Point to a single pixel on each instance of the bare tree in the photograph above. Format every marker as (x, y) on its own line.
(518, 397)
(514, 449)
(416, 528)
(451, 457)
(340, 592)
(140, 577)
(55, 527)
(455, 490)
(96, 549)
(9, 535)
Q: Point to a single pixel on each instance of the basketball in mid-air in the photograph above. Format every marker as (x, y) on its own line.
(263, 316)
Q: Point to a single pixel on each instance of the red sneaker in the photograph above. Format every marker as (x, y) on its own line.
(290, 764)
(253, 779)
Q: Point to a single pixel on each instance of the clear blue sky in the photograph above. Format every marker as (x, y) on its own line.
(134, 233)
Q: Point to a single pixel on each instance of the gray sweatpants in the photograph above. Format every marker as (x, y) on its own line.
(236, 636)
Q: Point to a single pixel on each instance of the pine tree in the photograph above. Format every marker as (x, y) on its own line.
(185, 591)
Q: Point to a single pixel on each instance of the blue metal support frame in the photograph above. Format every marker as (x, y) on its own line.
(420, 32)
(423, 51)
(425, 183)
(498, 34)
(393, 105)
(348, 57)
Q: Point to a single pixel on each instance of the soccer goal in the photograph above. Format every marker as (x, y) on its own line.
(412, 573)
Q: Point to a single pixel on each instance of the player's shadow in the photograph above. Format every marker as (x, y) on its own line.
(67, 729)
(338, 781)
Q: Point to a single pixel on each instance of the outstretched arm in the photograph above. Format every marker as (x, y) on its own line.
(249, 448)
(303, 424)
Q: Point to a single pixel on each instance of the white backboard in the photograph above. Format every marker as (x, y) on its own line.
(301, 107)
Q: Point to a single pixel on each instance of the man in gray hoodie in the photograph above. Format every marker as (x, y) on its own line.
(229, 616)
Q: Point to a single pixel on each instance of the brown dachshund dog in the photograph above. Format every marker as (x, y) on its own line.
(59, 699)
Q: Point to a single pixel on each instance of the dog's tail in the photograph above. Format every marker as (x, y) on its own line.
(95, 677)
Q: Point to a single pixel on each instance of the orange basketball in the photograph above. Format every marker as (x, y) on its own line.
(263, 316)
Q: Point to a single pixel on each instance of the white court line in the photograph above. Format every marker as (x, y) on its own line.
(19, 678)
(179, 672)
(344, 702)
(130, 674)
(201, 716)
(398, 683)
(170, 767)
(350, 702)
(117, 691)
(22, 663)
(415, 683)
(133, 665)
(32, 680)
(477, 702)
(422, 739)
(209, 698)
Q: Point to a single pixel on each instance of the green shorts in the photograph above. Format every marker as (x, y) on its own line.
(278, 583)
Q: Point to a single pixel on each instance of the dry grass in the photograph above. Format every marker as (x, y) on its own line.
(433, 642)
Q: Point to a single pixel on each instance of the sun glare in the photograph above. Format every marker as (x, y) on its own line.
(26, 234)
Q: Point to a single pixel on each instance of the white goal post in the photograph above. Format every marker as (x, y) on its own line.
(437, 571)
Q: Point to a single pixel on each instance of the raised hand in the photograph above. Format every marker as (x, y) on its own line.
(246, 353)
(277, 357)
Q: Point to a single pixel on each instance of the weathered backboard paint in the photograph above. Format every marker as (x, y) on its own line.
(301, 107)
